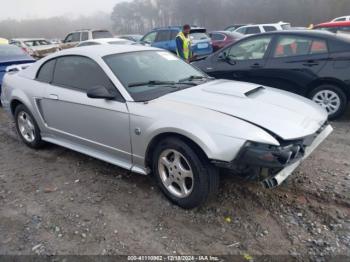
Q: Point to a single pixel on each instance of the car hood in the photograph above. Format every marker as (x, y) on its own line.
(287, 115)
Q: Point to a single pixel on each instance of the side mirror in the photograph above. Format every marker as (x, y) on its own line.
(101, 92)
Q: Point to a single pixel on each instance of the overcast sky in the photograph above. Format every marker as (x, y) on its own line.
(21, 9)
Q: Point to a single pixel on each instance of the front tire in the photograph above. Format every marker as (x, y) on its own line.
(331, 98)
(27, 127)
(183, 174)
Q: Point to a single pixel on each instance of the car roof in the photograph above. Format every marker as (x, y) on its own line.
(307, 32)
(177, 28)
(104, 40)
(226, 32)
(101, 51)
(333, 24)
(278, 23)
(89, 29)
(27, 39)
(95, 52)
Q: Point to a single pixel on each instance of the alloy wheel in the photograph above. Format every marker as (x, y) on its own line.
(26, 126)
(175, 173)
(329, 100)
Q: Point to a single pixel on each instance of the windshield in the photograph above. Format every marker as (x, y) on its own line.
(101, 34)
(133, 69)
(199, 36)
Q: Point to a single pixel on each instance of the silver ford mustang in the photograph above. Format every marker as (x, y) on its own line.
(145, 110)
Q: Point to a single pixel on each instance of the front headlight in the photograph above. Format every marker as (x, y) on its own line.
(262, 155)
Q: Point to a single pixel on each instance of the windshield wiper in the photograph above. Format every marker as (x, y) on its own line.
(191, 78)
(152, 83)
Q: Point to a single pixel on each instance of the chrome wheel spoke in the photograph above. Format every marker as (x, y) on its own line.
(26, 126)
(328, 100)
(183, 187)
(184, 172)
(175, 173)
(177, 160)
(168, 181)
(164, 161)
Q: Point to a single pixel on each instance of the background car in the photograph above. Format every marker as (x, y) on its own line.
(56, 41)
(3, 41)
(261, 28)
(334, 27)
(164, 37)
(146, 110)
(221, 39)
(342, 18)
(35, 47)
(106, 41)
(232, 28)
(12, 55)
(74, 38)
(311, 63)
(134, 38)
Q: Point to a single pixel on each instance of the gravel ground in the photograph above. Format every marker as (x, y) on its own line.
(56, 201)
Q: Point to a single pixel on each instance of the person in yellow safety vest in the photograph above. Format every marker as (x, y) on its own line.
(183, 44)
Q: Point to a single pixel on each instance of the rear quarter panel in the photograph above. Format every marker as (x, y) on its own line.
(27, 91)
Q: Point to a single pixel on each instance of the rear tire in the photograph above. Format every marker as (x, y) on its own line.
(183, 174)
(331, 98)
(27, 128)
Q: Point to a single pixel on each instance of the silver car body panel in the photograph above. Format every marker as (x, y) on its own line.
(219, 116)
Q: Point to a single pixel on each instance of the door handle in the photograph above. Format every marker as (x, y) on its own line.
(53, 97)
(311, 63)
(256, 65)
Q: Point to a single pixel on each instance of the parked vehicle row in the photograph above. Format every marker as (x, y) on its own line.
(146, 110)
(262, 28)
(164, 37)
(35, 47)
(74, 38)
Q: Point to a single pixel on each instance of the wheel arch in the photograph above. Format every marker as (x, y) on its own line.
(156, 139)
(13, 105)
(330, 81)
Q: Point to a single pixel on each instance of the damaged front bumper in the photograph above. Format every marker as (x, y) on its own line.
(287, 171)
(272, 164)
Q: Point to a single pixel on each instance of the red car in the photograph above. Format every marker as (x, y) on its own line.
(334, 27)
(221, 39)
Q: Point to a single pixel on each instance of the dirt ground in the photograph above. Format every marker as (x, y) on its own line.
(56, 201)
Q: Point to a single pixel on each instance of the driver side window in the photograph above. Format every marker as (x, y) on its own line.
(68, 39)
(250, 49)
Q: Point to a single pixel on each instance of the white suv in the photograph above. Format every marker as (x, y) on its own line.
(261, 28)
(74, 38)
(341, 19)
